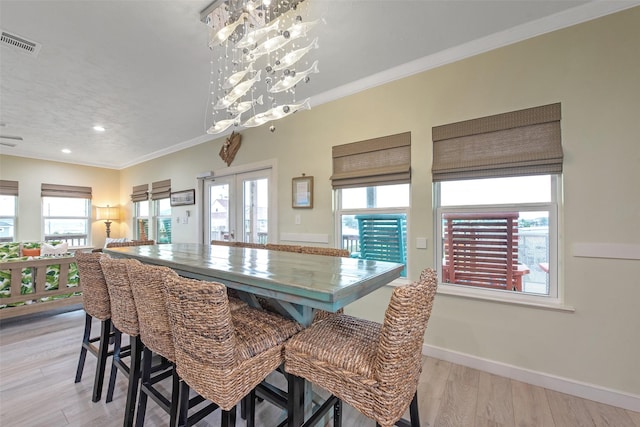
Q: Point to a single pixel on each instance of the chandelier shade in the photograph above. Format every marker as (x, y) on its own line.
(261, 50)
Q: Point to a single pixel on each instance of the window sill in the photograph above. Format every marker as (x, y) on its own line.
(503, 297)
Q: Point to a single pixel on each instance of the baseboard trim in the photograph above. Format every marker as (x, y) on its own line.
(564, 385)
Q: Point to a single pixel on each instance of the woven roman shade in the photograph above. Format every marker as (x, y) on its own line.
(524, 142)
(140, 193)
(161, 189)
(54, 190)
(378, 161)
(8, 188)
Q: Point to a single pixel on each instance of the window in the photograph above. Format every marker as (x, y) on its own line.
(497, 184)
(498, 233)
(8, 210)
(372, 183)
(140, 199)
(160, 194)
(141, 220)
(66, 214)
(163, 220)
(372, 221)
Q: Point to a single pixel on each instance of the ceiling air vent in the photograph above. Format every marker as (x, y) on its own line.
(10, 138)
(20, 43)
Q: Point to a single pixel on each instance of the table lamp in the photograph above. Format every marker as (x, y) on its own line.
(106, 214)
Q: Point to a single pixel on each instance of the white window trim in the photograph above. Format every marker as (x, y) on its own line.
(555, 299)
(88, 220)
(14, 218)
(401, 281)
(136, 217)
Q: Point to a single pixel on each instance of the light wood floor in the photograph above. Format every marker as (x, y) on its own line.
(38, 357)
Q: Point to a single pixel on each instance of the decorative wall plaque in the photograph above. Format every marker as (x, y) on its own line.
(230, 148)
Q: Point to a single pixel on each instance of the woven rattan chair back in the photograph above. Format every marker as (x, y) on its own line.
(131, 243)
(222, 356)
(250, 245)
(223, 243)
(283, 248)
(373, 367)
(123, 308)
(316, 250)
(398, 361)
(95, 298)
(147, 285)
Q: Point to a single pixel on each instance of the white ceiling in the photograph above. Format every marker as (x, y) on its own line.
(140, 68)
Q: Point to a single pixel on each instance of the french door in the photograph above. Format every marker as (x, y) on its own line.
(238, 207)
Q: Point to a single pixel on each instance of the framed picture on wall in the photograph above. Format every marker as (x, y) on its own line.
(181, 198)
(302, 192)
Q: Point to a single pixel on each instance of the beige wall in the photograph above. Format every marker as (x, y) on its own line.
(592, 69)
(31, 173)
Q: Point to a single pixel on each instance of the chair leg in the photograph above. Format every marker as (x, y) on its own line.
(413, 411)
(250, 409)
(175, 397)
(228, 418)
(134, 380)
(103, 351)
(115, 360)
(183, 405)
(85, 343)
(144, 378)
(337, 414)
(295, 401)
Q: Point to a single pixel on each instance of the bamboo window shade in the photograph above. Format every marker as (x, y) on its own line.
(8, 188)
(378, 161)
(54, 190)
(524, 142)
(161, 189)
(140, 193)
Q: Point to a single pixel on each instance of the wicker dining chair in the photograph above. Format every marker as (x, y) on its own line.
(147, 285)
(283, 248)
(96, 304)
(124, 317)
(317, 250)
(373, 367)
(222, 354)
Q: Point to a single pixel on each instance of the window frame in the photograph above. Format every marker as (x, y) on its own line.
(87, 219)
(554, 207)
(339, 212)
(14, 218)
(156, 218)
(137, 217)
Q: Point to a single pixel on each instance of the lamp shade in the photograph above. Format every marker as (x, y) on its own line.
(107, 213)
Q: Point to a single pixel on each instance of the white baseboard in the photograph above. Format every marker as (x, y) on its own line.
(541, 379)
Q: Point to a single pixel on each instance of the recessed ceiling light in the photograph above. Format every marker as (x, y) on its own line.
(99, 128)
(66, 151)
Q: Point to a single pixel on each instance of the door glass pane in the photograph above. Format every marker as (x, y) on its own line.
(255, 210)
(219, 212)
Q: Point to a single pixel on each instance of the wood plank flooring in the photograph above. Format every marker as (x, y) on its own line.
(38, 357)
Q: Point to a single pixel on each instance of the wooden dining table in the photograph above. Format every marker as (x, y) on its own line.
(297, 284)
